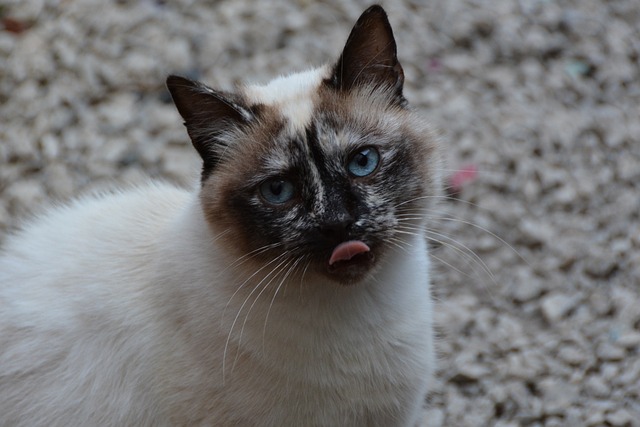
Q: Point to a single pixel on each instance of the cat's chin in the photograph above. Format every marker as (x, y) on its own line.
(352, 271)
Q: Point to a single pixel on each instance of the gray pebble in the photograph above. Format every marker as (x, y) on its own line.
(555, 306)
(609, 352)
(620, 417)
(597, 387)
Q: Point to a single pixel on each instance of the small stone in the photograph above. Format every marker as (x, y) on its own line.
(59, 181)
(140, 64)
(628, 168)
(23, 147)
(554, 422)
(628, 340)
(610, 352)
(600, 303)
(595, 418)
(557, 395)
(467, 368)
(457, 312)
(610, 370)
(630, 375)
(565, 195)
(508, 334)
(459, 63)
(621, 246)
(573, 416)
(525, 288)
(50, 147)
(455, 402)
(177, 52)
(535, 232)
(487, 244)
(525, 365)
(601, 267)
(180, 163)
(620, 417)
(536, 38)
(434, 417)
(556, 306)
(497, 394)
(572, 355)
(597, 387)
(118, 111)
(469, 372)
(25, 195)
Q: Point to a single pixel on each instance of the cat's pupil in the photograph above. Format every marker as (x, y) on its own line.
(362, 158)
(276, 187)
(277, 191)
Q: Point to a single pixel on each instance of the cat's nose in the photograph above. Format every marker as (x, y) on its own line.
(337, 229)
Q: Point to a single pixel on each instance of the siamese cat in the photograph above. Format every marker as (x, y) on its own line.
(291, 288)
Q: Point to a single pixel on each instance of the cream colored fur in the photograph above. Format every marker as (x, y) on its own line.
(111, 314)
(292, 95)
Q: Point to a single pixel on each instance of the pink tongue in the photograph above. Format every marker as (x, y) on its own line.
(347, 250)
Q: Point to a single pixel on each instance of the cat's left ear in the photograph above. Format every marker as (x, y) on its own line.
(370, 57)
(209, 116)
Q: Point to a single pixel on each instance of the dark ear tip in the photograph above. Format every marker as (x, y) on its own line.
(376, 8)
(174, 80)
(373, 15)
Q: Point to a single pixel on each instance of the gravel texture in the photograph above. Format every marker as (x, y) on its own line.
(538, 282)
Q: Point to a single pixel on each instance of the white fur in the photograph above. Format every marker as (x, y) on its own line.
(292, 95)
(116, 311)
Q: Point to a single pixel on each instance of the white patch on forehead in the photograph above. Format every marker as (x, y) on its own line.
(292, 95)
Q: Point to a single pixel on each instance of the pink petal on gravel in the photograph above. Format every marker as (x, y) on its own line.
(463, 176)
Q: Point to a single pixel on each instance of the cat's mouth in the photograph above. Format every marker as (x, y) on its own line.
(350, 261)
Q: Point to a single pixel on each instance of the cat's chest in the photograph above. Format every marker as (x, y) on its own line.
(338, 342)
(351, 370)
(308, 352)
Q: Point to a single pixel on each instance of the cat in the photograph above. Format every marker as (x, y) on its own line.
(291, 288)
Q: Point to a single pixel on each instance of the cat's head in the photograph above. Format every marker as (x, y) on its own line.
(323, 171)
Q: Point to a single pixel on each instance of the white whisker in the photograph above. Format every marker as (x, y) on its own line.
(470, 256)
(226, 345)
(250, 277)
(266, 319)
(450, 217)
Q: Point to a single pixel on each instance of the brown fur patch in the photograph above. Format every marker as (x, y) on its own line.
(237, 174)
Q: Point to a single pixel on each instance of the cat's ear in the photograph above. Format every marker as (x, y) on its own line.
(370, 56)
(208, 116)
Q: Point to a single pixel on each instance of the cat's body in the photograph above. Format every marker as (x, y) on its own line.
(324, 350)
(292, 289)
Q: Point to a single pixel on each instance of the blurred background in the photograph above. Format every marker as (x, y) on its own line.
(538, 103)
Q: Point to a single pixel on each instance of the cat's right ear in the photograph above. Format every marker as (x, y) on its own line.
(208, 115)
(370, 57)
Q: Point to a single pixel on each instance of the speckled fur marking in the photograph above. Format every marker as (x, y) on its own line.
(314, 158)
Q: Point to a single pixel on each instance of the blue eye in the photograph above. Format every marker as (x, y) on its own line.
(364, 162)
(277, 191)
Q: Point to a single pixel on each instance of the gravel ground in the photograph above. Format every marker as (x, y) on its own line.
(538, 282)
